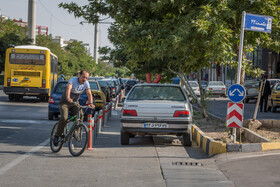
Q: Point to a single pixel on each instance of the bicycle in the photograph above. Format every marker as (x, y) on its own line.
(75, 132)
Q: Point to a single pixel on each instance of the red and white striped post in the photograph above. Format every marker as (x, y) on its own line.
(90, 128)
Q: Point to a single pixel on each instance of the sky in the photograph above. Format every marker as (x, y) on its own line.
(58, 20)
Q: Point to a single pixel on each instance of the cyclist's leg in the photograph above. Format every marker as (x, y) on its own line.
(63, 109)
(74, 110)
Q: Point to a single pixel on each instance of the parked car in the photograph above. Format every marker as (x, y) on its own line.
(273, 81)
(123, 82)
(216, 88)
(194, 85)
(252, 90)
(274, 99)
(129, 84)
(112, 86)
(54, 99)
(118, 86)
(106, 90)
(98, 95)
(152, 109)
(203, 84)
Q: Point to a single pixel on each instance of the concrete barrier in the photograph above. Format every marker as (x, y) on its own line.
(212, 147)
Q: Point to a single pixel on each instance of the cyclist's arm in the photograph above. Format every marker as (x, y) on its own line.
(90, 99)
(67, 91)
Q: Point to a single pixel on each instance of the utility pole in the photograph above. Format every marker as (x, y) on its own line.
(32, 20)
(95, 50)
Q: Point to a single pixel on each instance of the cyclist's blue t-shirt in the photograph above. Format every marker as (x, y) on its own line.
(77, 89)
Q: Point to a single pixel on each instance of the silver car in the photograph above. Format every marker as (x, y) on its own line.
(156, 109)
(194, 85)
(216, 88)
(252, 90)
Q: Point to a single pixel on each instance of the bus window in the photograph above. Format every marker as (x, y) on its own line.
(28, 59)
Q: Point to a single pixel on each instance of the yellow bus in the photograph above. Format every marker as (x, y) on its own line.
(29, 71)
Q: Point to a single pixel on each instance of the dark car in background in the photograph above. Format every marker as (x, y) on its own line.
(54, 99)
(118, 85)
(112, 86)
(129, 84)
(106, 89)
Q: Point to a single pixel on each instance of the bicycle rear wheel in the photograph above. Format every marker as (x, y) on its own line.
(78, 140)
(54, 148)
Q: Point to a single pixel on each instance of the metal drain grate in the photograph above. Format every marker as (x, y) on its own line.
(186, 164)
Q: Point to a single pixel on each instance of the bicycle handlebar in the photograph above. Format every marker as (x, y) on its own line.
(80, 106)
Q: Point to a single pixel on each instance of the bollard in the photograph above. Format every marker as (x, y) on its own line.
(105, 115)
(110, 104)
(120, 97)
(89, 147)
(100, 123)
(95, 130)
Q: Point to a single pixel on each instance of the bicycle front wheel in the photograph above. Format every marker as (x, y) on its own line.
(78, 140)
(55, 148)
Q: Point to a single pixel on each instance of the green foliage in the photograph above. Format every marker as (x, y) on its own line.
(73, 58)
(10, 33)
(152, 36)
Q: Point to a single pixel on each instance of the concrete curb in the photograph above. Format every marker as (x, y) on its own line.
(212, 147)
(208, 145)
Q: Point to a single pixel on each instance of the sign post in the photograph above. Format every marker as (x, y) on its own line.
(236, 93)
(252, 22)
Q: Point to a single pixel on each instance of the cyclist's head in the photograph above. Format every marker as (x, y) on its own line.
(83, 76)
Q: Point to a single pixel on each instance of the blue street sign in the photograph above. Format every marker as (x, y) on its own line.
(236, 93)
(258, 23)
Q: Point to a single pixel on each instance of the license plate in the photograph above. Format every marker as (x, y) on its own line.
(155, 125)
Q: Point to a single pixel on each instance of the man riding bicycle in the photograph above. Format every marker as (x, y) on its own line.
(74, 89)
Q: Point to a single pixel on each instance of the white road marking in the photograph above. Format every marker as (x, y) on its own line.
(252, 156)
(5, 127)
(25, 121)
(21, 158)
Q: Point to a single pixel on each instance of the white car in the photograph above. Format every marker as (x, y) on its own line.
(195, 87)
(156, 109)
(216, 88)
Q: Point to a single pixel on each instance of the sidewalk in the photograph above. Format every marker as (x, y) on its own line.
(168, 165)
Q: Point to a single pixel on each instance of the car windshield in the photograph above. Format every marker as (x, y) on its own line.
(278, 87)
(102, 83)
(93, 85)
(216, 84)
(60, 87)
(193, 84)
(203, 83)
(157, 93)
(131, 82)
(111, 83)
(124, 81)
(251, 84)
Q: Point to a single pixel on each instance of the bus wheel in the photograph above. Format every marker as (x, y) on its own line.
(11, 97)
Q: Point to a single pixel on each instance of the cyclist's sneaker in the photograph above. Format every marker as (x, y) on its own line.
(55, 140)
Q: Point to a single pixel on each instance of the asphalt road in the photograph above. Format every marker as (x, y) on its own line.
(218, 107)
(26, 159)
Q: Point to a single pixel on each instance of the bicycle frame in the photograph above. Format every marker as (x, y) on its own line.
(77, 120)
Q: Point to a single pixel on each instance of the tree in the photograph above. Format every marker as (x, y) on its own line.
(183, 36)
(10, 33)
(73, 58)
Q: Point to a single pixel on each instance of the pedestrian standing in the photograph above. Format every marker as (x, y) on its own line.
(266, 91)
